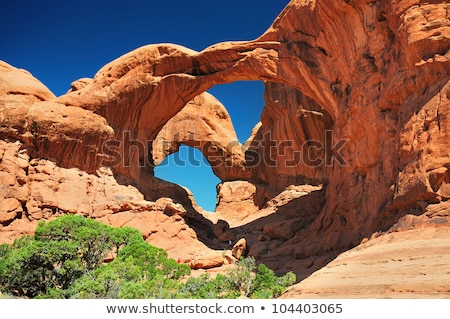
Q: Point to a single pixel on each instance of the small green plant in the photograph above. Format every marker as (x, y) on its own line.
(244, 280)
(242, 277)
(269, 285)
(205, 287)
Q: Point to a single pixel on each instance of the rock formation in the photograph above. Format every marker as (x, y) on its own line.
(205, 124)
(357, 109)
(239, 199)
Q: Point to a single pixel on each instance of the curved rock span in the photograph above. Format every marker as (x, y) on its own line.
(357, 102)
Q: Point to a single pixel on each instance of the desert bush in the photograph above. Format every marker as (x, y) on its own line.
(139, 271)
(205, 287)
(243, 280)
(268, 285)
(242, 276)
(93, 239)
(31, 267)
(65, 258)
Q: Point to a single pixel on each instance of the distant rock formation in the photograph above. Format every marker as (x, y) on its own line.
(357, 104)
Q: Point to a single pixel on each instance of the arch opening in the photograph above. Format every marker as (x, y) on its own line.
(206, 139)
(244, 101)
(189, 168)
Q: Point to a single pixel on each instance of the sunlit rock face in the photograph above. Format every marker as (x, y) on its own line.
(357, 102)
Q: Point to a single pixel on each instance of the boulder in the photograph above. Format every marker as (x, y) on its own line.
(239, 248)
(9, 209)
(79, 84)
(169, 207)
(207, 262)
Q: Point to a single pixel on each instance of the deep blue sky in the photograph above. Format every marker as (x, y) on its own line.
(61, 41)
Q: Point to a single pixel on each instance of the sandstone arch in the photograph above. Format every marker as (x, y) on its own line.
(153, 83)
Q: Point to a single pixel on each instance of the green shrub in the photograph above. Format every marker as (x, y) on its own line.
(243, 280)
(139, 271)
(95, 240)
(242, 276)
(65, 259)
(268, 285)
(4, 249)
(204, 287)
(31, 269)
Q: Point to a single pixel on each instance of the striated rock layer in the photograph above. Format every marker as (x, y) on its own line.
(357, 107)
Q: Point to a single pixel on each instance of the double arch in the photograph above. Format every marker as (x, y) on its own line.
(141, 91)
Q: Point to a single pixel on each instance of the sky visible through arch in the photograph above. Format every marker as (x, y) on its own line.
(62, 41)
